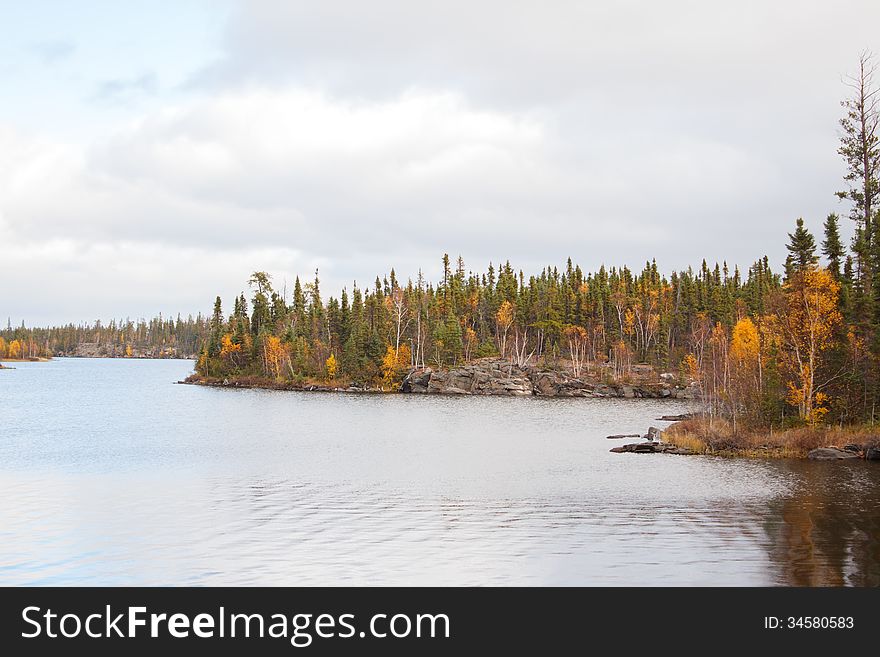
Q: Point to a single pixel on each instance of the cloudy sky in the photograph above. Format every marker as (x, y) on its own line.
(153, 154)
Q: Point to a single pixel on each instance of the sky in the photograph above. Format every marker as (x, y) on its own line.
(154, 154)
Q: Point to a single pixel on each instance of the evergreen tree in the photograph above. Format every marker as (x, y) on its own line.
(216, 329)
(832, 246)
(802, 249)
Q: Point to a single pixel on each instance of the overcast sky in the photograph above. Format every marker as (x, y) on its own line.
(153, 154)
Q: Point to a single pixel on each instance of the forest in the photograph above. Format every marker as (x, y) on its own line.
(798, 346)
(155, 338)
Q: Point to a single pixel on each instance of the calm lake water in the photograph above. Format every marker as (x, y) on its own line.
(110, 474)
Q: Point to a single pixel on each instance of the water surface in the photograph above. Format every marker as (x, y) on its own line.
(110, 474)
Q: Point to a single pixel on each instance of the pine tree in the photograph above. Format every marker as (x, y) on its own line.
(832, 246)
(216, 329)
(802, 249)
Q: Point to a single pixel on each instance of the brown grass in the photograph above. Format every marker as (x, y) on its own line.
(717, 437)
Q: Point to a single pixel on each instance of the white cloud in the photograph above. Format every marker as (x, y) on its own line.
(361, 136)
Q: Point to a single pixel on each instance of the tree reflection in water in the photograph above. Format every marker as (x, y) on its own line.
(827, 532)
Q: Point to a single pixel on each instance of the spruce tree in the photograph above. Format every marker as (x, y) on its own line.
(802, 249)
(832, 246)
(216, 329)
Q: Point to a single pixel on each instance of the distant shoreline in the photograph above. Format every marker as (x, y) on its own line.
(35, 359)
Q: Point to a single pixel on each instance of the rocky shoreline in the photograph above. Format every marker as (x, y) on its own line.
(653, 443)
(492, 376)
(488, 376)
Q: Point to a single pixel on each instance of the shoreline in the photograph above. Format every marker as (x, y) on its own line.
(487, 376)
(35, 359)
(695, 436)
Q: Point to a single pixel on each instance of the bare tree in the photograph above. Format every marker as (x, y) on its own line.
(860, 148)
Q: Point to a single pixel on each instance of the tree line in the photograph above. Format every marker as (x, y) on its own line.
(156, 338)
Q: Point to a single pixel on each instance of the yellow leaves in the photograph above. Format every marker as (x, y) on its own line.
(394, 365)
(389, 361)
(331, 366)
(816, 408)
(128, 351)
(575, 333)
(274, 354)
(202, 362)
(745, 344)
(803, 325)
(3, 348)
(14, 349)
(228, 347)
(504, 320)
(690, 367)
(809, 313)
(819, 409)
(505, 315)
(629, 322)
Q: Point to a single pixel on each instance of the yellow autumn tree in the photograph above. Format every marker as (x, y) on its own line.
(394, 366)
(274, 354)
(803, 323)
(3, 348)
(690, 368)
(745, 369)
(230, 351)
(14, 350)
(331, 366)
(503, 321)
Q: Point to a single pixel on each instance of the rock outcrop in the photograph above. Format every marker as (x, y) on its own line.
(651, 447)
(831, 454)
(494, 376)
(480, 378)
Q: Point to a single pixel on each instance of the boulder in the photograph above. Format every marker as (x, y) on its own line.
(416, 381)
(830, 454)
(667, 376)
(653, 434)
(872, 454)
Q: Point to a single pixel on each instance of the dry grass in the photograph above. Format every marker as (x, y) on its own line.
(717, 437)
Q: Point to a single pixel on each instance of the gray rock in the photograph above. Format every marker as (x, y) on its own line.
(416, 381)
(650, 448)
(872, 454)
(628, 392)
(830, 454)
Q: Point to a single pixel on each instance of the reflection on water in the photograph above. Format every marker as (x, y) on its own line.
(827, 531)
(111, 475)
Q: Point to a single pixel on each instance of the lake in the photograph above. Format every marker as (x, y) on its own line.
(112, 475)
